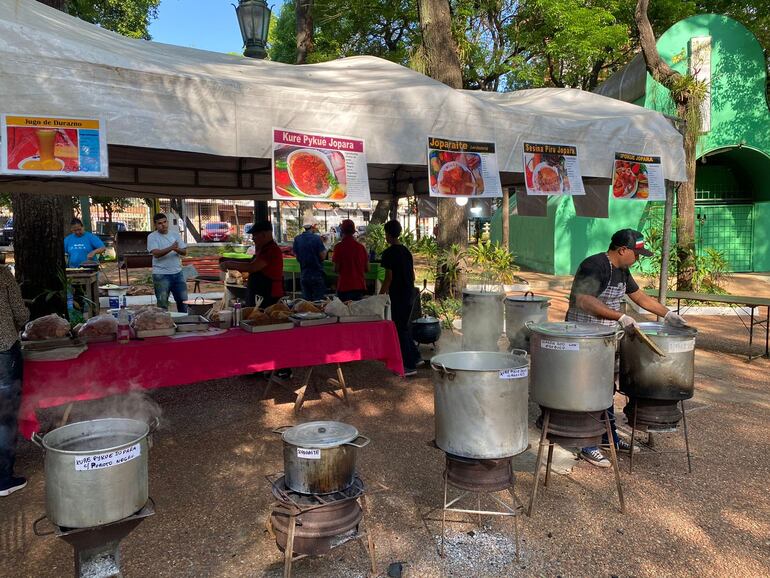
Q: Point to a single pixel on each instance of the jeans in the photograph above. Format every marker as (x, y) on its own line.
(613, 429)
(400, 311)
(313, 287)
(10, 399)
(350, 295)
(174, 284)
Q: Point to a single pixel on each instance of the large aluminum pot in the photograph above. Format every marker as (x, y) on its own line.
(573, 365)
(644, 373)
(480, 403)
(482, 320)
(519, 309)
(95, 471)
(319, 457)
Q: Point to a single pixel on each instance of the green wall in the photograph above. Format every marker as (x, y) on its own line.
(762, 236)
(531, 238)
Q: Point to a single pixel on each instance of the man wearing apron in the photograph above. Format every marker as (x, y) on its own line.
(265, 269)
(601, 282)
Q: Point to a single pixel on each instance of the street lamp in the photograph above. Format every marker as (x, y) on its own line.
(254, 20)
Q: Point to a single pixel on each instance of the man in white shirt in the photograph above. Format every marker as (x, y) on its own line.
(166, 247)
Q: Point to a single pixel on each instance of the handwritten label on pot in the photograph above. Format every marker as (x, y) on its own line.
(559, 345)
(514, 373)
(309, 454)
(681, 346)
(107, 459)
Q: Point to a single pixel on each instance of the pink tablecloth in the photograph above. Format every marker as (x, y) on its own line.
(111, 368)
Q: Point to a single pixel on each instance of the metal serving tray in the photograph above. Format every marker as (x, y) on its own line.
(251, 328)
(192, 323)
(299, 322)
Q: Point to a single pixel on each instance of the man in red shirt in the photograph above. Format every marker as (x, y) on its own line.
(351, 264)
(265, 269)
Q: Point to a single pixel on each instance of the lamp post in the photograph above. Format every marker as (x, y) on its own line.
(254, 20)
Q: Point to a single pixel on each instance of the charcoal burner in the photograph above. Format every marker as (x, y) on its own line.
(306, 525)
(656, 416)
(97, 549)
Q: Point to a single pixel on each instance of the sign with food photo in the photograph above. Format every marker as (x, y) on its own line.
(310, 167)
(552, 169)
(638, 177)
(458, 168)
(53, 146)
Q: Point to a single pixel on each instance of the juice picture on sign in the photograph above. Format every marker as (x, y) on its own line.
(309, 173)
(42, 149)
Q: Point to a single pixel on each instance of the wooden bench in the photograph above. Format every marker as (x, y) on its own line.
(745, 303)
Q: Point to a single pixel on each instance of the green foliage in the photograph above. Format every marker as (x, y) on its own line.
(451, 264)
(374, 239)
(427, 246)
(445, 310)
(497, 263)
(5, 200)
(127, 17)
(384, 28)
(111, 204)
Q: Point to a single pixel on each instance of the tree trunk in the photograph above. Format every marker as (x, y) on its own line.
(685, 208)
(304, 11)
(443, 64)
(40, 222)
(381, 212)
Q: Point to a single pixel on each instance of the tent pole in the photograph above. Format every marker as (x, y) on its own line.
(506, 218)
(666, 248)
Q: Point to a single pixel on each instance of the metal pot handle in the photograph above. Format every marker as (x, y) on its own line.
(38, 532)
(528, 324)
(529, 293)
(281, 428)
(154, 425)
(522, 352)
(37, 440)
(620, 333)
(443, 371)
(359, 445)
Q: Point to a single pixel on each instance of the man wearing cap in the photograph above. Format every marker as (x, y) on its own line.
(310, 252)
(601, 282)
(351, 264)
(265, 269)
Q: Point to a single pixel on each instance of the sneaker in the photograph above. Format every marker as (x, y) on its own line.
(420, 363)
(595, 457)
(410, 372)
(12, 485)
(625, 447)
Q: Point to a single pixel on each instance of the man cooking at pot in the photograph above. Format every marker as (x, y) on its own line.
(265, 269)
(601, 282)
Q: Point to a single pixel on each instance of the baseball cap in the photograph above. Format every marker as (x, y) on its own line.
(348, 227)
(632, 240)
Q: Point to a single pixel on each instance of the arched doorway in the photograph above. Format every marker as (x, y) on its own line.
(732, 206)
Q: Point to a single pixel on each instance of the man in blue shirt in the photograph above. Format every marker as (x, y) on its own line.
(310, 253)
(81, 245)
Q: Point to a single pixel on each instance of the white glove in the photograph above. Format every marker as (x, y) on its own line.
(627, 321)
(674, 319)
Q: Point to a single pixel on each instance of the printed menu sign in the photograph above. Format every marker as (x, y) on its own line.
(53, 146)
(638, 177)
(310, 167)
(458, 168)
(552, 169)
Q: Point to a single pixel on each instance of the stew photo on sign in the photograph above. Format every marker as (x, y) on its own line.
(456, 174)
(629, 180)
(309, 173)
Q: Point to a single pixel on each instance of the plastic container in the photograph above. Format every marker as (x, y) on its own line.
(225, 318)
(124, 330)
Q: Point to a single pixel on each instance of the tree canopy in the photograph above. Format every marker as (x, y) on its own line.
(127, 17)
(504, 44)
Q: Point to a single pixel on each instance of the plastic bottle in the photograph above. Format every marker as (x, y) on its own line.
(237, 313)
(124, 332)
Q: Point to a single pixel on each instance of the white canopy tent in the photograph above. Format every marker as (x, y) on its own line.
(185, 122)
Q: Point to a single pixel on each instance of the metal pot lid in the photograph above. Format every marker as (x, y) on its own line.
(666, 330)
(426, 320)
(528, 298)
(320, 434)
(478, 361)
(488, 294)
(573, 329)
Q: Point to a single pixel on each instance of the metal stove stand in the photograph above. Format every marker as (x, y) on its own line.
(97, 549)
(548, 438)
(503, 509)
(650, 430)
(299, 504)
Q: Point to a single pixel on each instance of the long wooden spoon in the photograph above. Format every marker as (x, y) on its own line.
(648, 342)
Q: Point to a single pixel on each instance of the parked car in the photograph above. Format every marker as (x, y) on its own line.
(6, 233)
(216, 232)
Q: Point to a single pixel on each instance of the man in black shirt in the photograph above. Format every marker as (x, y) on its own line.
(399, 284)
(601, 282)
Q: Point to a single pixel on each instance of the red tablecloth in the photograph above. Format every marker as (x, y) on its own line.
(111, 368)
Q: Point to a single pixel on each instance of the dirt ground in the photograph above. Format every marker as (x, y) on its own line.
(215, 447)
